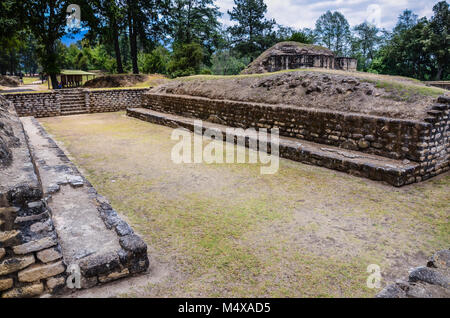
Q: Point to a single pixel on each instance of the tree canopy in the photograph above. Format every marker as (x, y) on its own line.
(182, 37)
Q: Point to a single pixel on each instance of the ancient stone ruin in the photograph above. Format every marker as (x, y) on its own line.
(334, 121)
(295, 55)
(53, 223)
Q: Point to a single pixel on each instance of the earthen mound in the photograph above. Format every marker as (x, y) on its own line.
(106, 81)
(9, 81)
(310, 89)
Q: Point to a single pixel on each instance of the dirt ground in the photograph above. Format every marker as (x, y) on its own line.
(317, 89)
(228, 231)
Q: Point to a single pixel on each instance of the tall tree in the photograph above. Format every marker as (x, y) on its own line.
(133, 20)
(405, 54)
(333, 31)
(47, 20)
(104, 18)
(196, 21)
(146, 24)
(406, 21)
(9, 41)
(438, 37)
(365, 43)
(251, 28)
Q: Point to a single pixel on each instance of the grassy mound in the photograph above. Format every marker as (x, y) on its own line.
(371, 94)
(9, 81)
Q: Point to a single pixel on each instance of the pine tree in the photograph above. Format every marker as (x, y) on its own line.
(252, 26)
(195, 21)
(333, 31)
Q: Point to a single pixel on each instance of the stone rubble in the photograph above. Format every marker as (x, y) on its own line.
(430, 281)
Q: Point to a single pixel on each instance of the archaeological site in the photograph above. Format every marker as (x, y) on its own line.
(55, 223)
(224, 156)
(295, 55)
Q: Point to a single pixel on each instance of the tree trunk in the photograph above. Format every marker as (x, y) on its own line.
(133, 41)
(117, 47)
(54, 81)
(439, 73)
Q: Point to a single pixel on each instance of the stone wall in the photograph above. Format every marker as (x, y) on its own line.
(434, 143)
(346, 63)
(32, 260)
(36, 104)
(30, 256)
(424, 142)
(49, 104)
(108, 100)
(289, 62)
(392, 138)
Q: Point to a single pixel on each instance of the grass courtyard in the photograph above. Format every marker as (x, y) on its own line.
(228, 231)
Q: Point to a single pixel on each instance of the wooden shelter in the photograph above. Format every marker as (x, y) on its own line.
(73, 78)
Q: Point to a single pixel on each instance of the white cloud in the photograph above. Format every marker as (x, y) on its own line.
(304, 13)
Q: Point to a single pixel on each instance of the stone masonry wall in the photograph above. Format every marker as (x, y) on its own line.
(114, 100)
(48, 104)
(425, 142)
(30, 256)
(36, 104)
(434, 144)
(392, 138)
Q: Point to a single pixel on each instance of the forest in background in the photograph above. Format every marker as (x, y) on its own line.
(185, 37)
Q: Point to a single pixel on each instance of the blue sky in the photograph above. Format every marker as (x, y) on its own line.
(304, 13)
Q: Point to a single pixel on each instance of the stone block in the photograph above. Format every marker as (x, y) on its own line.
(55, 283)
(9, 238)
(88, 282)
(38, 272)
(6, 284)
(25, 291)
(133, 243)
(2, 253)
(41, 227)
(99, 264)
(15, 264)
(49, 255)
(34, 246)
(114, 276)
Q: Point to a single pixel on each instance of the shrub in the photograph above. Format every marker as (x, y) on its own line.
(154, 62)
(186, 60)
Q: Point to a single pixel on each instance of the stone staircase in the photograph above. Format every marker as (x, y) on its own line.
(73, 102)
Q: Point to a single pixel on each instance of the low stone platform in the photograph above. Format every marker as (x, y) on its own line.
(395, 172)
(90, 232)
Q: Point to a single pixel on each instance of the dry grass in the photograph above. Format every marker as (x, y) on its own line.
(226, 230)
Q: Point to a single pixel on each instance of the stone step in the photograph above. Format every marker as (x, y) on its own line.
(73, 112)
(74, 106)
(90, 232)
(394, 172)
(71, 100)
